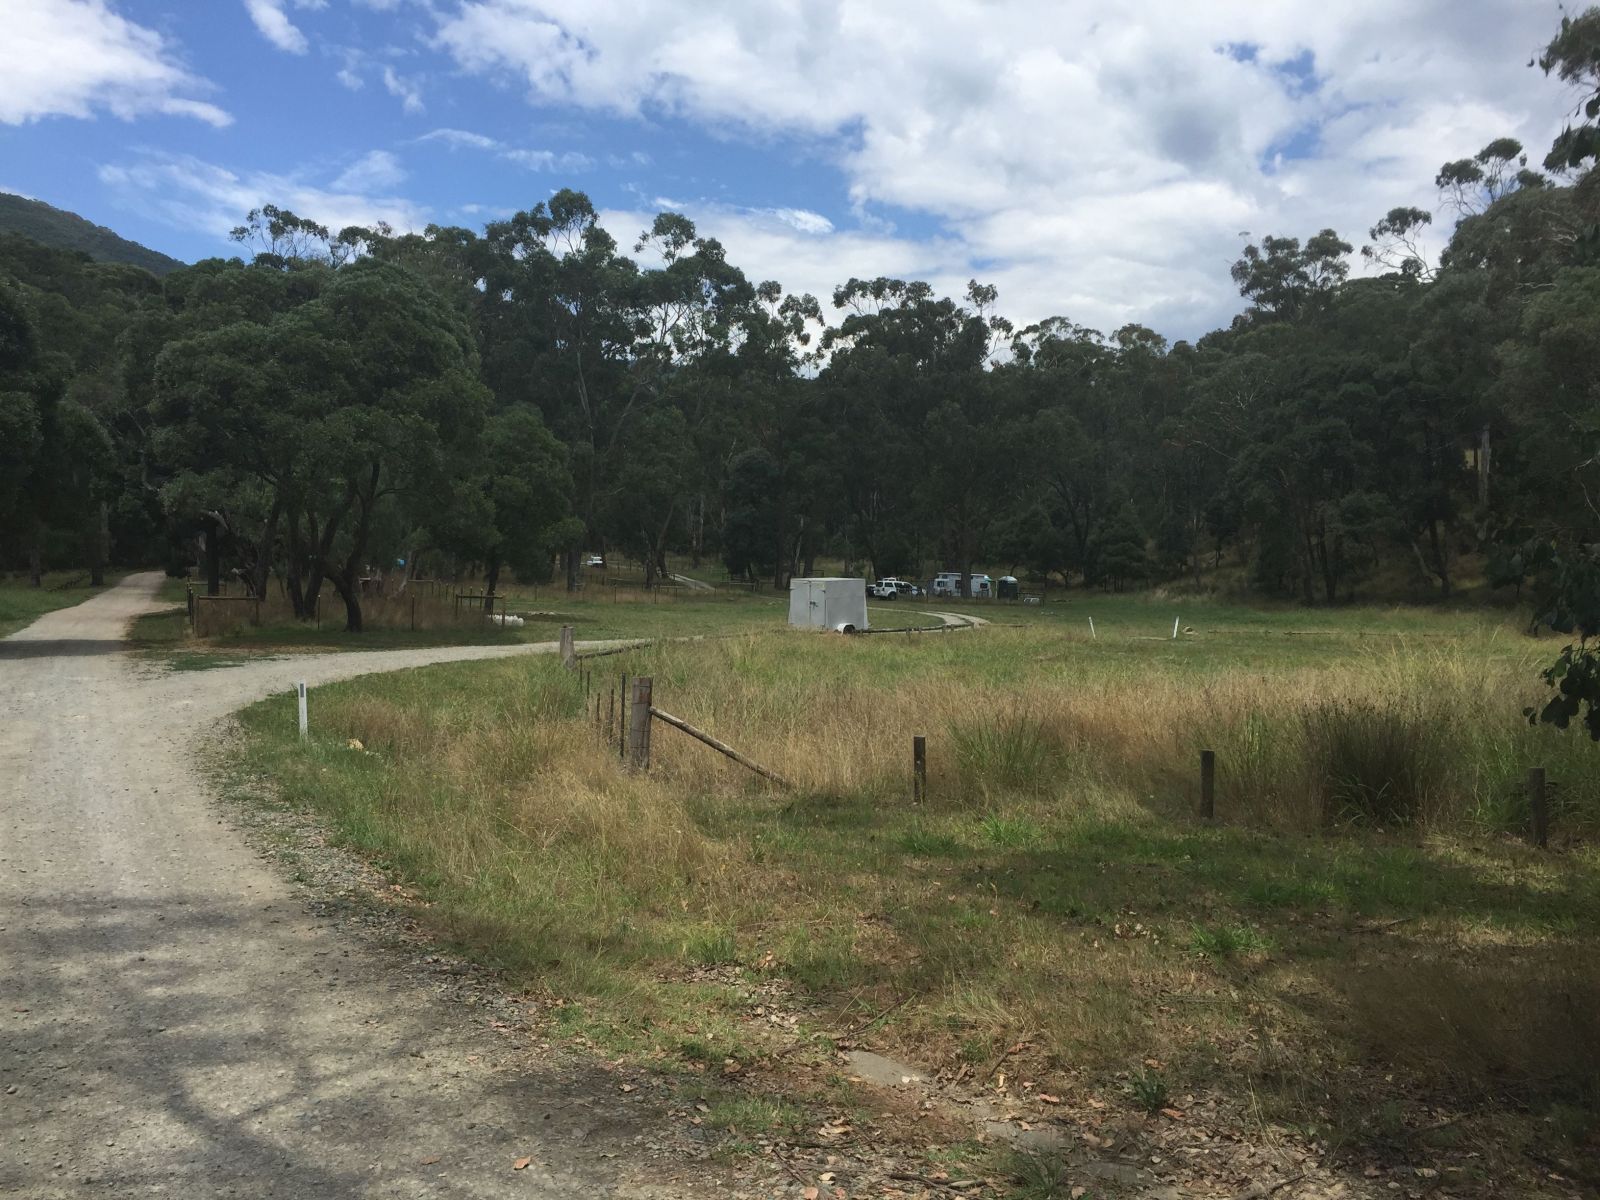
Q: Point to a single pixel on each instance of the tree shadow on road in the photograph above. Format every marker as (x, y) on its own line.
(18, 648)
(232, 1051)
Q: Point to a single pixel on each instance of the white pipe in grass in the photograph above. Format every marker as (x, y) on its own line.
(300, 694)
(1093, 636)
(1174, 628)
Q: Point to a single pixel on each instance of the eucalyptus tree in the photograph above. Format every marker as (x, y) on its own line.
(67, 430)
(210, 370)
(899, 356)
(319, 413)
(21, 437)
(1287, 281)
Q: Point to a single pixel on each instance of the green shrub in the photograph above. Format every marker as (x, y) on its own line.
(1149, 1091)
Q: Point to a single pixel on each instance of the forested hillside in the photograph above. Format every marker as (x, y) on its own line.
(514, 396)
(63, 230)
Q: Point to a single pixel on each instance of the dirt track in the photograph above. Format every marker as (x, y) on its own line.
(174, 1023)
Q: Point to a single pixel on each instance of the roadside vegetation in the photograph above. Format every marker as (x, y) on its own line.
(1362, 948)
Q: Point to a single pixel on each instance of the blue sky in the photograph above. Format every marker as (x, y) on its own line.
(1093, 159)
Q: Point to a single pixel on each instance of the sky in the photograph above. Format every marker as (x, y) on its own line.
(1094, 159)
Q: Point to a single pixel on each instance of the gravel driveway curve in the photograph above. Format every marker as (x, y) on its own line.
(173, 1023)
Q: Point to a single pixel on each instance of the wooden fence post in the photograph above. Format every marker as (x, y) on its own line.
(622, 718)
(1208, 785)
(611, 714)
(1536, 802)
(413, 612)
(919, 768)
(639, 725)
(569, 653)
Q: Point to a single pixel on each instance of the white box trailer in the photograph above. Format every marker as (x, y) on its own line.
(828, 603)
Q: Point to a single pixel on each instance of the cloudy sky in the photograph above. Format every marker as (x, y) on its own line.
(1097, 159)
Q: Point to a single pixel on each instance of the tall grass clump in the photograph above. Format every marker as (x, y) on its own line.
(1369, 761)
(1006, 751)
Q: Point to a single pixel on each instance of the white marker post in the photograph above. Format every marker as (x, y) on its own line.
(300, 695)
(1094, 637)
(1174, 628)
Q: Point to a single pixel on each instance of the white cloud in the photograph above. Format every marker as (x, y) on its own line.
(1089, 158)
(767, 246)
(533, 160)
(461, 137)
(549, 160)
(189, 193)
(74, 57)
(803, 219)
(274, 25)
(374, 171)
(406, 90)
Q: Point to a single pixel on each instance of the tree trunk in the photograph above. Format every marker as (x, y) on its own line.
(1441, 556)
(261, 567)
(1308, 570)
(491, 581)
(349, 589)
(780, 541)
(101, 546)
(1484, 454)
(213, 537)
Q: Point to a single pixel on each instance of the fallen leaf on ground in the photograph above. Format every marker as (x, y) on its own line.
(521, 1164)
(430, 1160)
(627, 1087)
(810, 1193)
(1174, 1113)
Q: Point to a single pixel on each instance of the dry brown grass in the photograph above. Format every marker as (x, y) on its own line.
(1055, 887)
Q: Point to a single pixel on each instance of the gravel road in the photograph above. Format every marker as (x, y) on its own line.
(175, 1023)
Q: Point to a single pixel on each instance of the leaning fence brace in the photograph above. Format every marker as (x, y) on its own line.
(720, 747)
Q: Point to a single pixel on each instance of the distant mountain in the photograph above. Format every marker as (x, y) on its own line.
(68, 231)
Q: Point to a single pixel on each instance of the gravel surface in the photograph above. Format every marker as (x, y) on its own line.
(177, 1021)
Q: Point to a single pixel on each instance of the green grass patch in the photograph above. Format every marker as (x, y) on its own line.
(21, 604)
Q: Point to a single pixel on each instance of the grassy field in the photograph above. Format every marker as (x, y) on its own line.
(21, 603)
(1361, 949)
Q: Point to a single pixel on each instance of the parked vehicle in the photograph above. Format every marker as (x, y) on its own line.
(948, 583)
(893, 589)
(595, 560)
